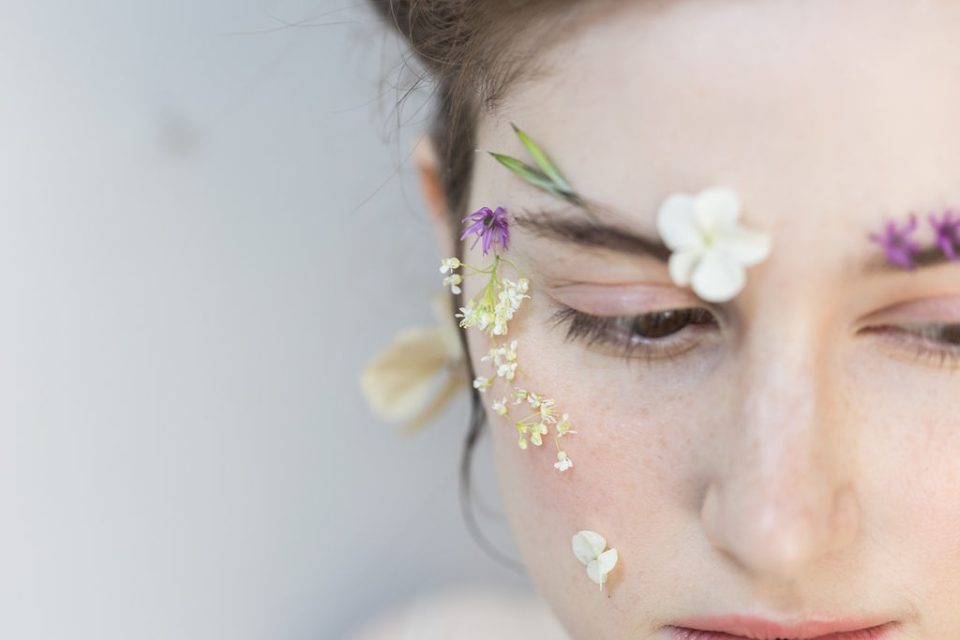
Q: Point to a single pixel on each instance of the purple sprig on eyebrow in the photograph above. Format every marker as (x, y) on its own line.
(947, 230)
(490, 226)
(896, 243)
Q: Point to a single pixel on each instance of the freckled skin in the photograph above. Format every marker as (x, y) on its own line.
(790, 465)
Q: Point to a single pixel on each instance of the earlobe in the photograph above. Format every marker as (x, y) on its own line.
(428, 171)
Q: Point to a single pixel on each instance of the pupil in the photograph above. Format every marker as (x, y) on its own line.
(659, 325)
(951, 333)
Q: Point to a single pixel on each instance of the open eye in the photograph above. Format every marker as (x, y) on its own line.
(662, 323)
(660, 334)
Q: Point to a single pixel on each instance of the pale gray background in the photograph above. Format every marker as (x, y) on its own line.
(209, 226)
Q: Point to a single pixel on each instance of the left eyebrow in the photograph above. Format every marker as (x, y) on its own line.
(591, 233)
(928, 257)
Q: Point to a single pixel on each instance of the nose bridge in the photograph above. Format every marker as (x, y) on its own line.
(780, 497)
(779, 403)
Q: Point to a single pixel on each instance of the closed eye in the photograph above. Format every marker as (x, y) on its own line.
(934, 344)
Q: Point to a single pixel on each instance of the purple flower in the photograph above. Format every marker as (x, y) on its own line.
(896, 243)
(947, 230)
(489, 225)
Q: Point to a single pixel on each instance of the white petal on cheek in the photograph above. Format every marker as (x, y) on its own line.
(593, 571)
(587, 545)
(607, 560)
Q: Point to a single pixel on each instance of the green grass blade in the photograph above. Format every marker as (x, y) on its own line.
(542, 160)
(527, 173)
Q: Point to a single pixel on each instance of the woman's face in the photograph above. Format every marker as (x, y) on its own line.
(796, 457)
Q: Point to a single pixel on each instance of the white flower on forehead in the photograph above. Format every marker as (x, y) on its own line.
(588, 547)
(710, 248)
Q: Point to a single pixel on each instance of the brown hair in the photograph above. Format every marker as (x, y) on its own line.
(474, 51)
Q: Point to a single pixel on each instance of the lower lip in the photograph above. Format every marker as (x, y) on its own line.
(873, 633)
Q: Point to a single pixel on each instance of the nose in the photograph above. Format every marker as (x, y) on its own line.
(780, 496)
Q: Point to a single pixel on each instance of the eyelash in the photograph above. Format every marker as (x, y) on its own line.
(941, 351)
(603, 330)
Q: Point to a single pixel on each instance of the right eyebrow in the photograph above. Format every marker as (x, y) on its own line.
(561, 226)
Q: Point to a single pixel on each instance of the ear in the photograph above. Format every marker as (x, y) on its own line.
(428, 170)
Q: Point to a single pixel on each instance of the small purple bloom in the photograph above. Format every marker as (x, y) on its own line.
(492, 226)
(947, 230)
(896, 243)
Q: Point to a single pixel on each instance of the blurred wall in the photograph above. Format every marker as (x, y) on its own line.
(208, 225)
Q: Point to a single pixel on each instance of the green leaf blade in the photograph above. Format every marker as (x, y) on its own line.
(527, 173)
(542, 160)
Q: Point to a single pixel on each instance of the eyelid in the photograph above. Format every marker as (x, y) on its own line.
(624, 299)
(924, 311)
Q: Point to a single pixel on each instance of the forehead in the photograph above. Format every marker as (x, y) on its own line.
(819, 113)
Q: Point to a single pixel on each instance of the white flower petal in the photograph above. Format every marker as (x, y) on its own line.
(598, 569)
(594, 573)
(682, 264)
(588, 545)
(607, 560)
(749, 247)
(676, 222)
(717, 208)
(399, 381)
(718, 277)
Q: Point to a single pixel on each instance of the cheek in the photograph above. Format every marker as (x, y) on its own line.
(631, 479)
(911, 519)
(907, 444)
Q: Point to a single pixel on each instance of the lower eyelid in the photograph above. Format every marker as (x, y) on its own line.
(659, 349)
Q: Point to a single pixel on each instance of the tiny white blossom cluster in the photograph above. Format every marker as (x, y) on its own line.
(496, 307)
(490, 312)
(537, 424)
(504, 359)
(454, 280)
